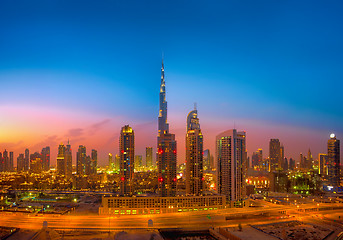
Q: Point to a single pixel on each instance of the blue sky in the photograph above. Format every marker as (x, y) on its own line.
(275, 63)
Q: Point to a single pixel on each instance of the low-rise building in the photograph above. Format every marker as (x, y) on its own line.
(156, 205)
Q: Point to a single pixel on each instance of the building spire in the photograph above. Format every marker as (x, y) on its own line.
(163, 126)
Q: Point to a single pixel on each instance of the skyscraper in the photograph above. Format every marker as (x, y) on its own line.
(20, 163)
(309, 163)
(2, 163)
(81, 161)
(322, 160)
(45, 158)
(194, 155)
(166, 165)
(94, 162)
(257, 158)
(10, 164)
(117, 162)
(127, 158)
(231, 165)
(282, 157)
(27, 160)
(60, 160)
(274, 154)
(333, 158)
(206, 160)
(36, 163)
(68, 158)
(110, 162)
(166, 148)
(148, 157)
(138, 162)
(163, 126)
(6, 161)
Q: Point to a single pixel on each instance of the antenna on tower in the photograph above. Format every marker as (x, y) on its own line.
(234, 124)
(195, 106)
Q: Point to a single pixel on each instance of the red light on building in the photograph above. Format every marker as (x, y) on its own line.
(122, 151)
(160, 179)
(203, 178)
(122, 178)
(160, 151)
(175, 179)
(174, 151)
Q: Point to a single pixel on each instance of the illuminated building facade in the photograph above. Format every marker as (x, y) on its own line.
(45, 158)
(81, 161)
(61, 166)
(36, 163)
(194, 155)
(20, 163)
(94, 162)
(138, 162)
(333, 161)
(68, 159)
(127, 158)
(157, 205)
(257, 159)
(166, 148)
(148, 157)
(27, 160)
(163, 126)
(309, 162)
(11, 164)
(231, 169)
(274, 154)
(282, 157)
(322, 160)
(110, 162)
(166, 164)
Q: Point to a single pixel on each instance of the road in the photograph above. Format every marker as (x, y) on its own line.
(169, 220)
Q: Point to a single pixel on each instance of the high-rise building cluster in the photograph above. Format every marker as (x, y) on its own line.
(231, 158)
(227, 170)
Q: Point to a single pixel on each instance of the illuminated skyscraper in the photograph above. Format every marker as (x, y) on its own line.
(322, 160)
(81, 161)
(231, 169)
(11, 165)
(166, 165)
(148, 157)
(2, 163)
(194, 155)
(27, 160)
(274, 154)
(68, 158)
(282, 157)
(138, 162)
(163, 126)
(333, 158)
(36, 163)
(166, 148)
(20, 163)
(61, 166)
(110, 162)
(207, 160)
(257, 159)
(45, 158)
(117, 162)
(127, 158)
(94, 162)
(309, 163)
(6, 161)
